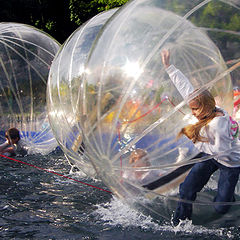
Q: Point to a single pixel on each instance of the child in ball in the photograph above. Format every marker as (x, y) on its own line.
(216, 136)
(139, 159)
(13, 145)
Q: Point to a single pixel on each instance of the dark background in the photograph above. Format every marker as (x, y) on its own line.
(59, 18)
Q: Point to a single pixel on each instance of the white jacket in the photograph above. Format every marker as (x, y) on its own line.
(180, 81)
(221, 143)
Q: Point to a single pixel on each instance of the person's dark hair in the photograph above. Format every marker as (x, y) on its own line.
(13, 133)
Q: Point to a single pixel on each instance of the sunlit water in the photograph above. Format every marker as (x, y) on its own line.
(35, 204)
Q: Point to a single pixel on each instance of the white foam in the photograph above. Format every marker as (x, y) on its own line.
(115, 213)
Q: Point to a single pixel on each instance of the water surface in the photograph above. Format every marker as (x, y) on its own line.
(35, 204)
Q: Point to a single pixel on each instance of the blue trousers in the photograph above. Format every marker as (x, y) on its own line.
(198, 177)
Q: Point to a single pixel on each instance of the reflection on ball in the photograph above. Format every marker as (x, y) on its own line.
(64, 83)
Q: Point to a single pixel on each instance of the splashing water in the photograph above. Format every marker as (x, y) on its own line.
(116, 213)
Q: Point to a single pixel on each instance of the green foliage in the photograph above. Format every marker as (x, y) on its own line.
(108, 4)
(177, 6)
(50, 25)
(217, 15)
(81, 11)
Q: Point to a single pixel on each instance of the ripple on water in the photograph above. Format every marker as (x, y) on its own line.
(39, 205)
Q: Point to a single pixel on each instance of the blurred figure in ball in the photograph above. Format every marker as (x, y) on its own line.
(139, 159)
(13, 145)
(215, 133)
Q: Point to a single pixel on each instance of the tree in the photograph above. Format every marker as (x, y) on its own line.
(221, 18)
(59, 18)
(81, 11)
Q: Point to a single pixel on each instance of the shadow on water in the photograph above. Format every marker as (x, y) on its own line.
(38, 205)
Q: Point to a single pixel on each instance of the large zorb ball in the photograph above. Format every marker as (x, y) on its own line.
(64, 87)
(128, 108)
(26, 54)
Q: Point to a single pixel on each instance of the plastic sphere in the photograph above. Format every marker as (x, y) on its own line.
(26, 54)
(66, 71)
(128, 109)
